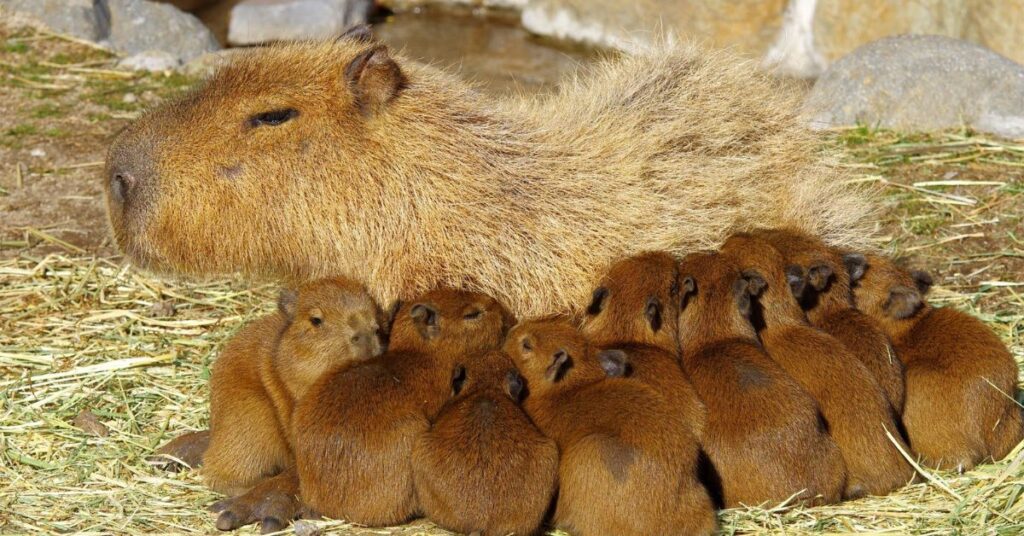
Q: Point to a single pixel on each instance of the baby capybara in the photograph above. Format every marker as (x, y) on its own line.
(764, 438)
(827, 299)
(624, 468)
(354, 431)
(269, 365)
(858, 415)
(961, 380)
(484, 467)
(635, 309)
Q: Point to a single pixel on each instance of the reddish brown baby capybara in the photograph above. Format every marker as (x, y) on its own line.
(624, 469)
(828, 302)
(764, 438)
(858, 415)
(635, 310)
(269, 365)
(483, 467)
(354, 431)
(961, 404)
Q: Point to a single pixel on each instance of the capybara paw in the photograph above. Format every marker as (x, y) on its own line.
(274, 510)
(183, 452)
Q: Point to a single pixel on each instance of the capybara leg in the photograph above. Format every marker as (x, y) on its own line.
(1007, 433)
(273, 503)
(183, 452)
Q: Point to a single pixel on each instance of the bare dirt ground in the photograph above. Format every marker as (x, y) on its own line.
(81, 330)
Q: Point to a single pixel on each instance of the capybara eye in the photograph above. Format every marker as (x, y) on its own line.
(356, 338)
(273, 118)
(527, 347)
(316, 321)
(473, 315)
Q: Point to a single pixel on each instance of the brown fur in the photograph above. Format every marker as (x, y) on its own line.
(764, 436)
(269, 365)
(407, 179)
(354, 431)
(273, 503)
(828, 302)
(624, 468)
(484, 467)
(852, 402)
(961, 380)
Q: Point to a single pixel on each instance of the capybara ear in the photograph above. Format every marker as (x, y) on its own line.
(903, 302)
(923, 280)
(741, 293)
(597, 301)
(287, 301)
(653, 313)
(360, 33)
(559, 362)
(514, 386)
(614, 362)
(375, 79)
(687, 288)
(818, 276)
(458, 379)
(797, 279)
(856, 265)
(755, 282)
(425, 319)
(390, 315)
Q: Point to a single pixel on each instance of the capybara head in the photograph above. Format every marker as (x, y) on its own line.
(715, 301)
(225, 177)
(491, 373)
(889, 294)
(781, 284)
(636, 303)
(450, 322)
(330, 322)
(548, 352)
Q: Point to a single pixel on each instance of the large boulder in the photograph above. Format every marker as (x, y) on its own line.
(843, 25)
(77, 18)
(999, 25)
(189, 5)
(261, 21)
(921, 83)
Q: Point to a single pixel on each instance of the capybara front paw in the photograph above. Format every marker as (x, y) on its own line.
(183, 452)
(272, 509)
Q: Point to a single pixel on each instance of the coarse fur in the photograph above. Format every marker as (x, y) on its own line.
(354, 431)
(828, 301)
(961, 404)
(859, 416)
(269, 365)
(346, 158)
(624, 469)
(483, 467)
(764, 440)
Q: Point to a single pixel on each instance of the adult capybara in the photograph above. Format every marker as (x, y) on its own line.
(827, 299)
(304, 160)
(624, 468)
(269, 365)
(355, 428)
(484, 467)
(961, 404)
(764, 438)
(853, 404)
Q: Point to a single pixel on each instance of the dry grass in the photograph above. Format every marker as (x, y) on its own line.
(82, 331)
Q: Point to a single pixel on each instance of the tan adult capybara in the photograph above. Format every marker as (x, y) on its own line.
(828, 302)
(961, 404)
(269, 365)
(764, 438)
(304, 160)
(624, 468)
(858, 415)
(354, 430)
(635, 310)
(483, 467)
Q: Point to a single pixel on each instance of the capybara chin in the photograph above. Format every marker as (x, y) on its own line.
(269, 365)
(624, 468)
(764, 439)
(302, 160)
(851, 400)
(961, 404)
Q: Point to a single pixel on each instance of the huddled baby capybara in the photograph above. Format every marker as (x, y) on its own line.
(961, 381)
(624, 469)
(483, 467)
(269, 365)
(354, 431)
(764, 437)
(858, 415)
(828, 301)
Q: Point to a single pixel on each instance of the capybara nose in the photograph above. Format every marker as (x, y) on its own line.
(121, 185)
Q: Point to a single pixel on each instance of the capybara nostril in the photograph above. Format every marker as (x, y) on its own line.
(121, 184)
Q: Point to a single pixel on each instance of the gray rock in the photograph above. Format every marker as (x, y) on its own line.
(921, 83)
(139, 25)
(79, 18)
(261, 21)
(151, 60)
